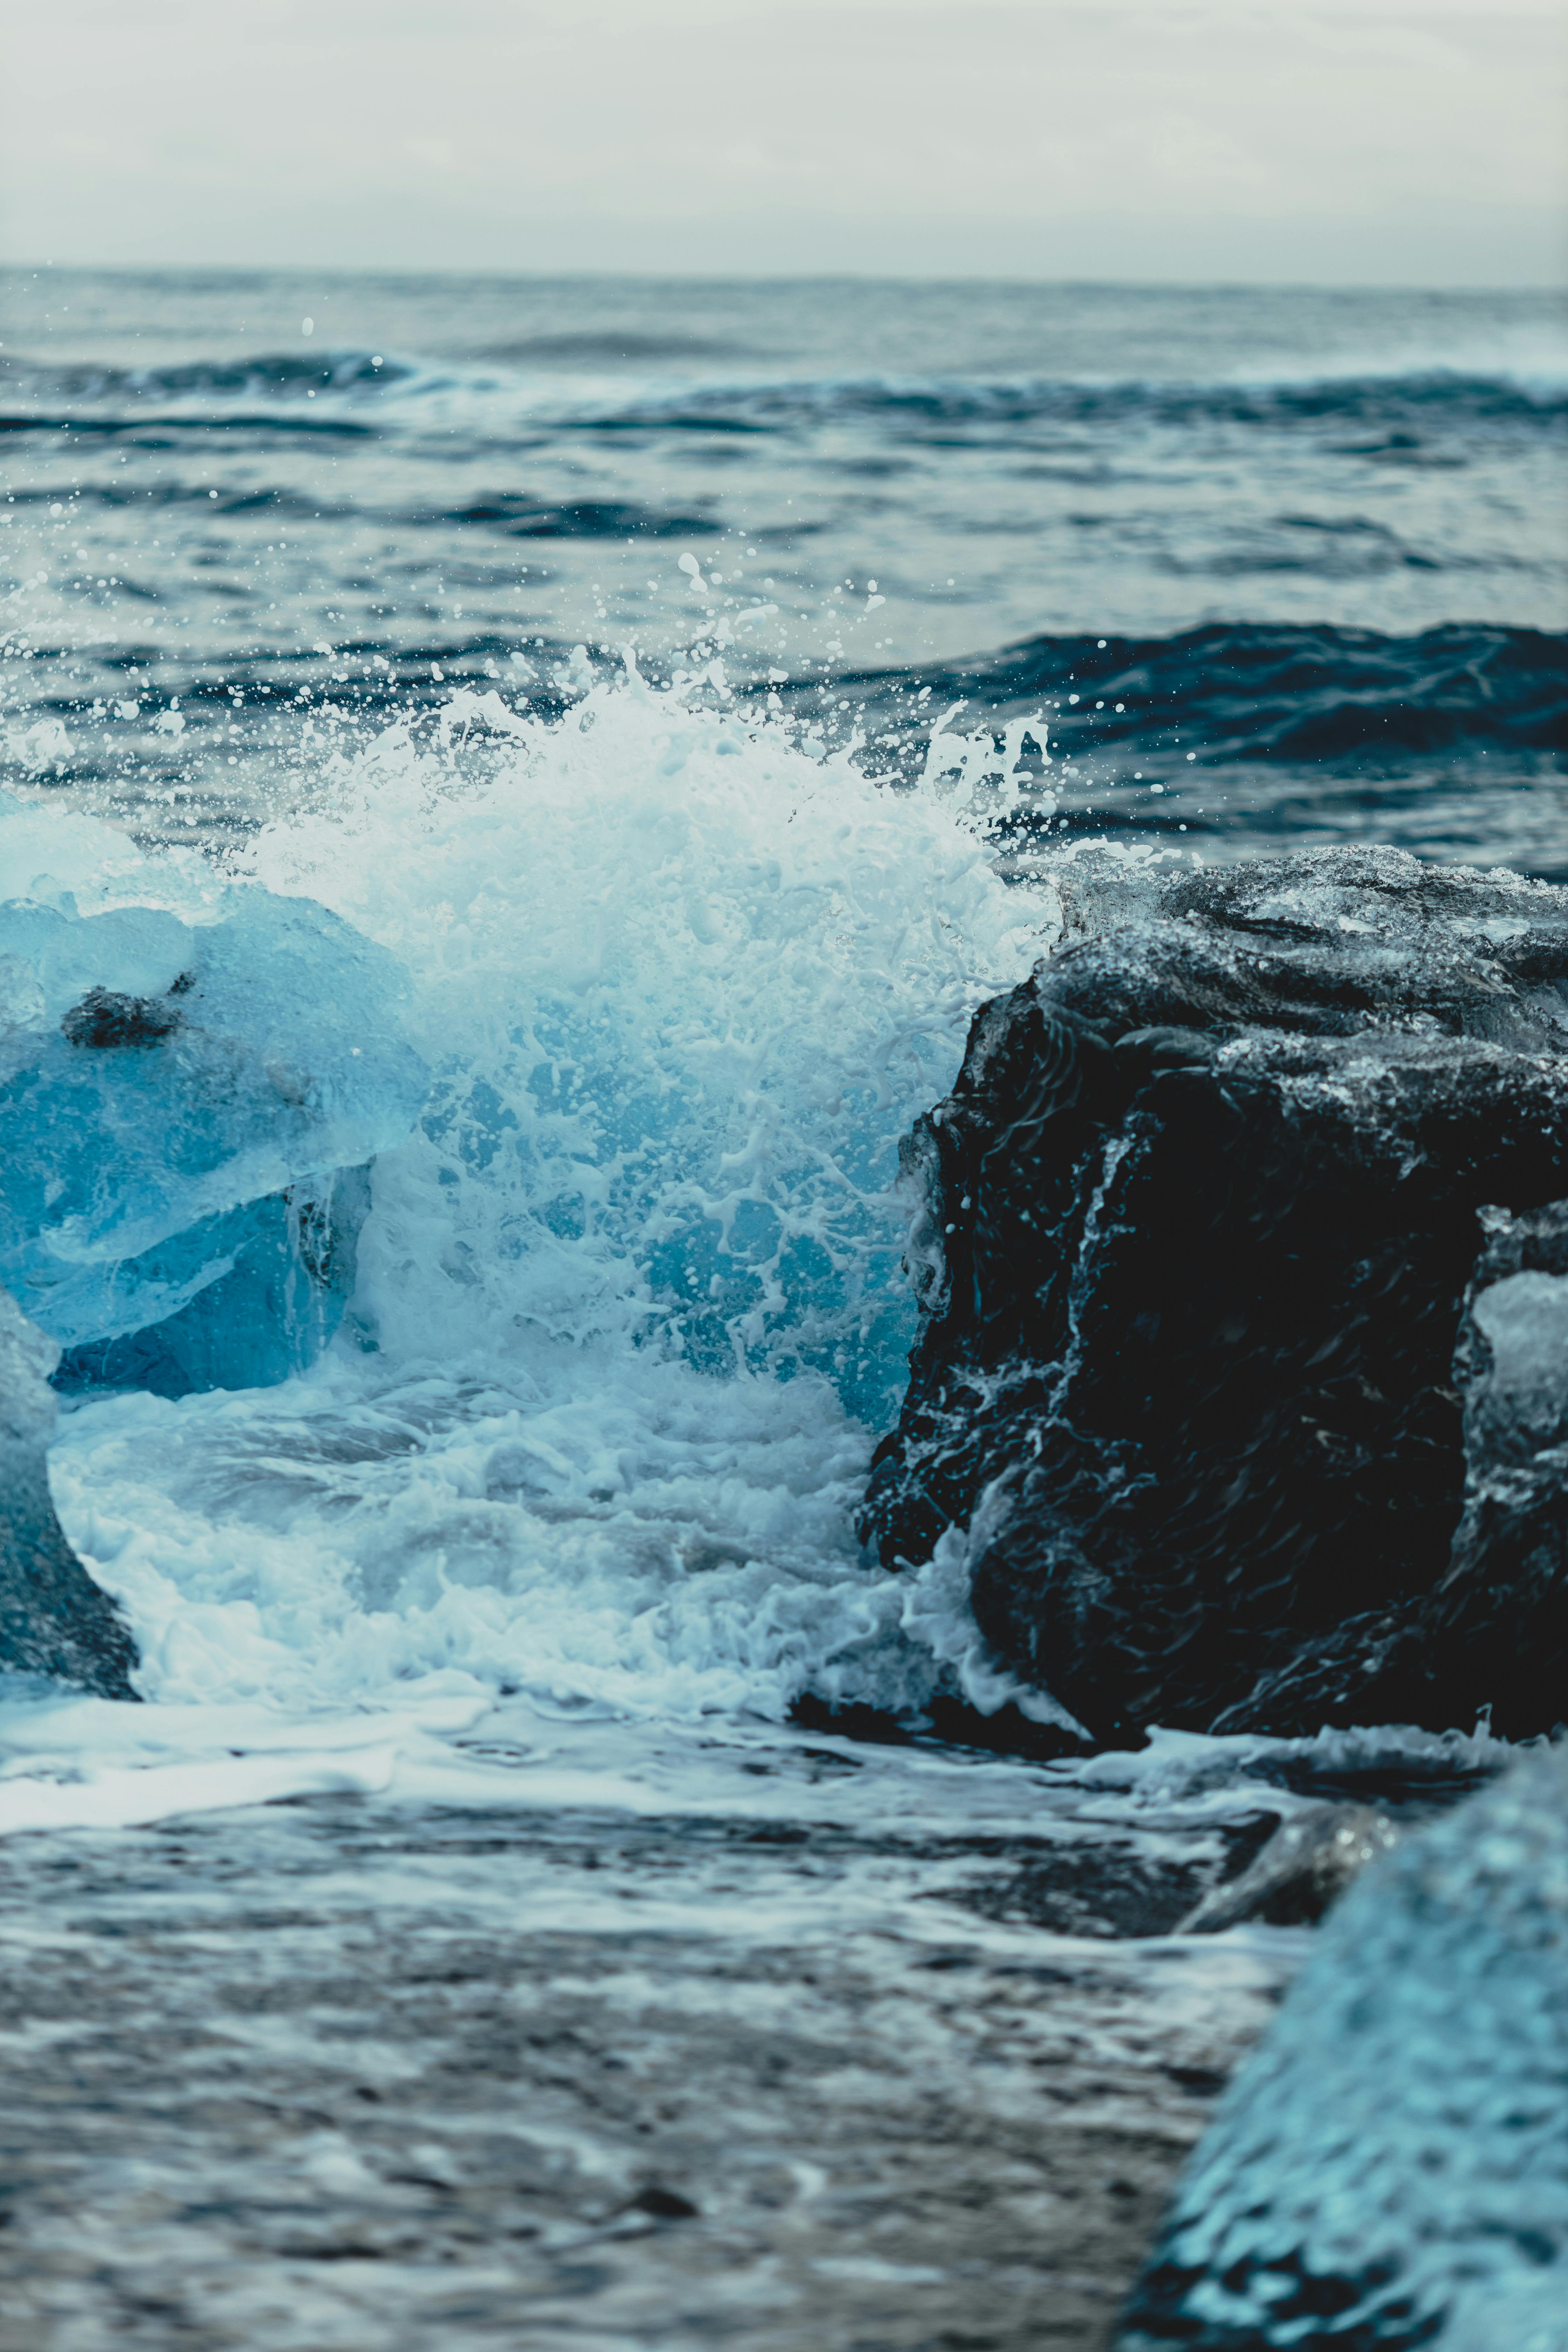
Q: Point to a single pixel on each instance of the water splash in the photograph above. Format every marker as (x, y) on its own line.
(630, 1310)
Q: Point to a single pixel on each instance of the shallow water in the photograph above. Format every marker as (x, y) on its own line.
(629, 2036)
(579, 643)
(346, 2074)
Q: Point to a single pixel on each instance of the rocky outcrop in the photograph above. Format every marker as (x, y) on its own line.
(1504, 1600)
(1390, 2169)
(53, 1620)
(1301, 1873)
(1240, 1264)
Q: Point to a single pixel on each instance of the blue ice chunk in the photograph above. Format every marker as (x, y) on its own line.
(180, 1105)
(1390, 2169)
(248, 1299)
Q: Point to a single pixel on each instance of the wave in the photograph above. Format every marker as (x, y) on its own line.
(630, 1309)
(513, 514)
(1315, 698)
(520, 517)
(106, 428)
(1424, 401)
(1256, 691)
(249, 378)
(629, 1312)
(1433, 398)
(606, 347)
(1314, 708)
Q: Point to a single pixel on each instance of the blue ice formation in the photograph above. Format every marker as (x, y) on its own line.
(186, 1113)
(1391, 2168)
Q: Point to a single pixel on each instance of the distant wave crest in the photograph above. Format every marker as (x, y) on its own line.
(1257, 691)
(1373, 401)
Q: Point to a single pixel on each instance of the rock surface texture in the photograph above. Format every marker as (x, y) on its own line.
(53, 1620)
(1391, 2168)
(1301, 1873)
(1246, 1295)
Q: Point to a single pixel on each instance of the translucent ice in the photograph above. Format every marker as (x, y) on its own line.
(1392, 2167)
(181, 1101)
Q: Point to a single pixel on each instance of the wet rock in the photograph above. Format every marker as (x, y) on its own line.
(1301, 1871)
(1504, 1600)
(103, 1021)
(1530, 2315)
(53, 1620)
(1390, 2169)
(1194, 1234)
(664, 2204)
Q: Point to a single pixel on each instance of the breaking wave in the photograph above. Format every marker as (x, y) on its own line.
(630, 1310)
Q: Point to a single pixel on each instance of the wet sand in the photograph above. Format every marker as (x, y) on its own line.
(337, 2074)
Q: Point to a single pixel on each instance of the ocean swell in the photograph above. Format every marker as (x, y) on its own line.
(630, 1304)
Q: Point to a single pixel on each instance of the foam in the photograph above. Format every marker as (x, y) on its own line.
(630, 1312)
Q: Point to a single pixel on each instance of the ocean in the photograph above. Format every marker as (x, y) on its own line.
(695, 687)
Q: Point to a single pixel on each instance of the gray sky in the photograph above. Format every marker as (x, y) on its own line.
(1394, 141)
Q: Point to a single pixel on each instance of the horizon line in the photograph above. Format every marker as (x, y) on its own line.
(1097, 282)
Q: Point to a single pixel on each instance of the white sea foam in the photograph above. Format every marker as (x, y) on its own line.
(630, 1313)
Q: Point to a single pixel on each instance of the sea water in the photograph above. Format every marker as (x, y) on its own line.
(694, 688)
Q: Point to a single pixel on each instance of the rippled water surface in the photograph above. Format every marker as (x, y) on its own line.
(1314, 539)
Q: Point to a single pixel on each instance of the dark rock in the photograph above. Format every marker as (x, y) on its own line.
(1194, 1234)
(1301, 1873)
(664, 2204)
(1390, 2167)
(104, 1020)
(53, 1620)
(1504, 1600)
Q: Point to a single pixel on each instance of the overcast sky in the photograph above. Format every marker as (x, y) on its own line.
(1353, 141)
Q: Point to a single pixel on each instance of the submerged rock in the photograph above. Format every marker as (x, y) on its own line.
(53, 1620)
(186, 1109)
(1196, 1234)
(1391, 2168)
(1300, 1873)
(1503, 1604)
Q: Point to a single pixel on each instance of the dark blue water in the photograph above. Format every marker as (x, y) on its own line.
(1271, 564)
